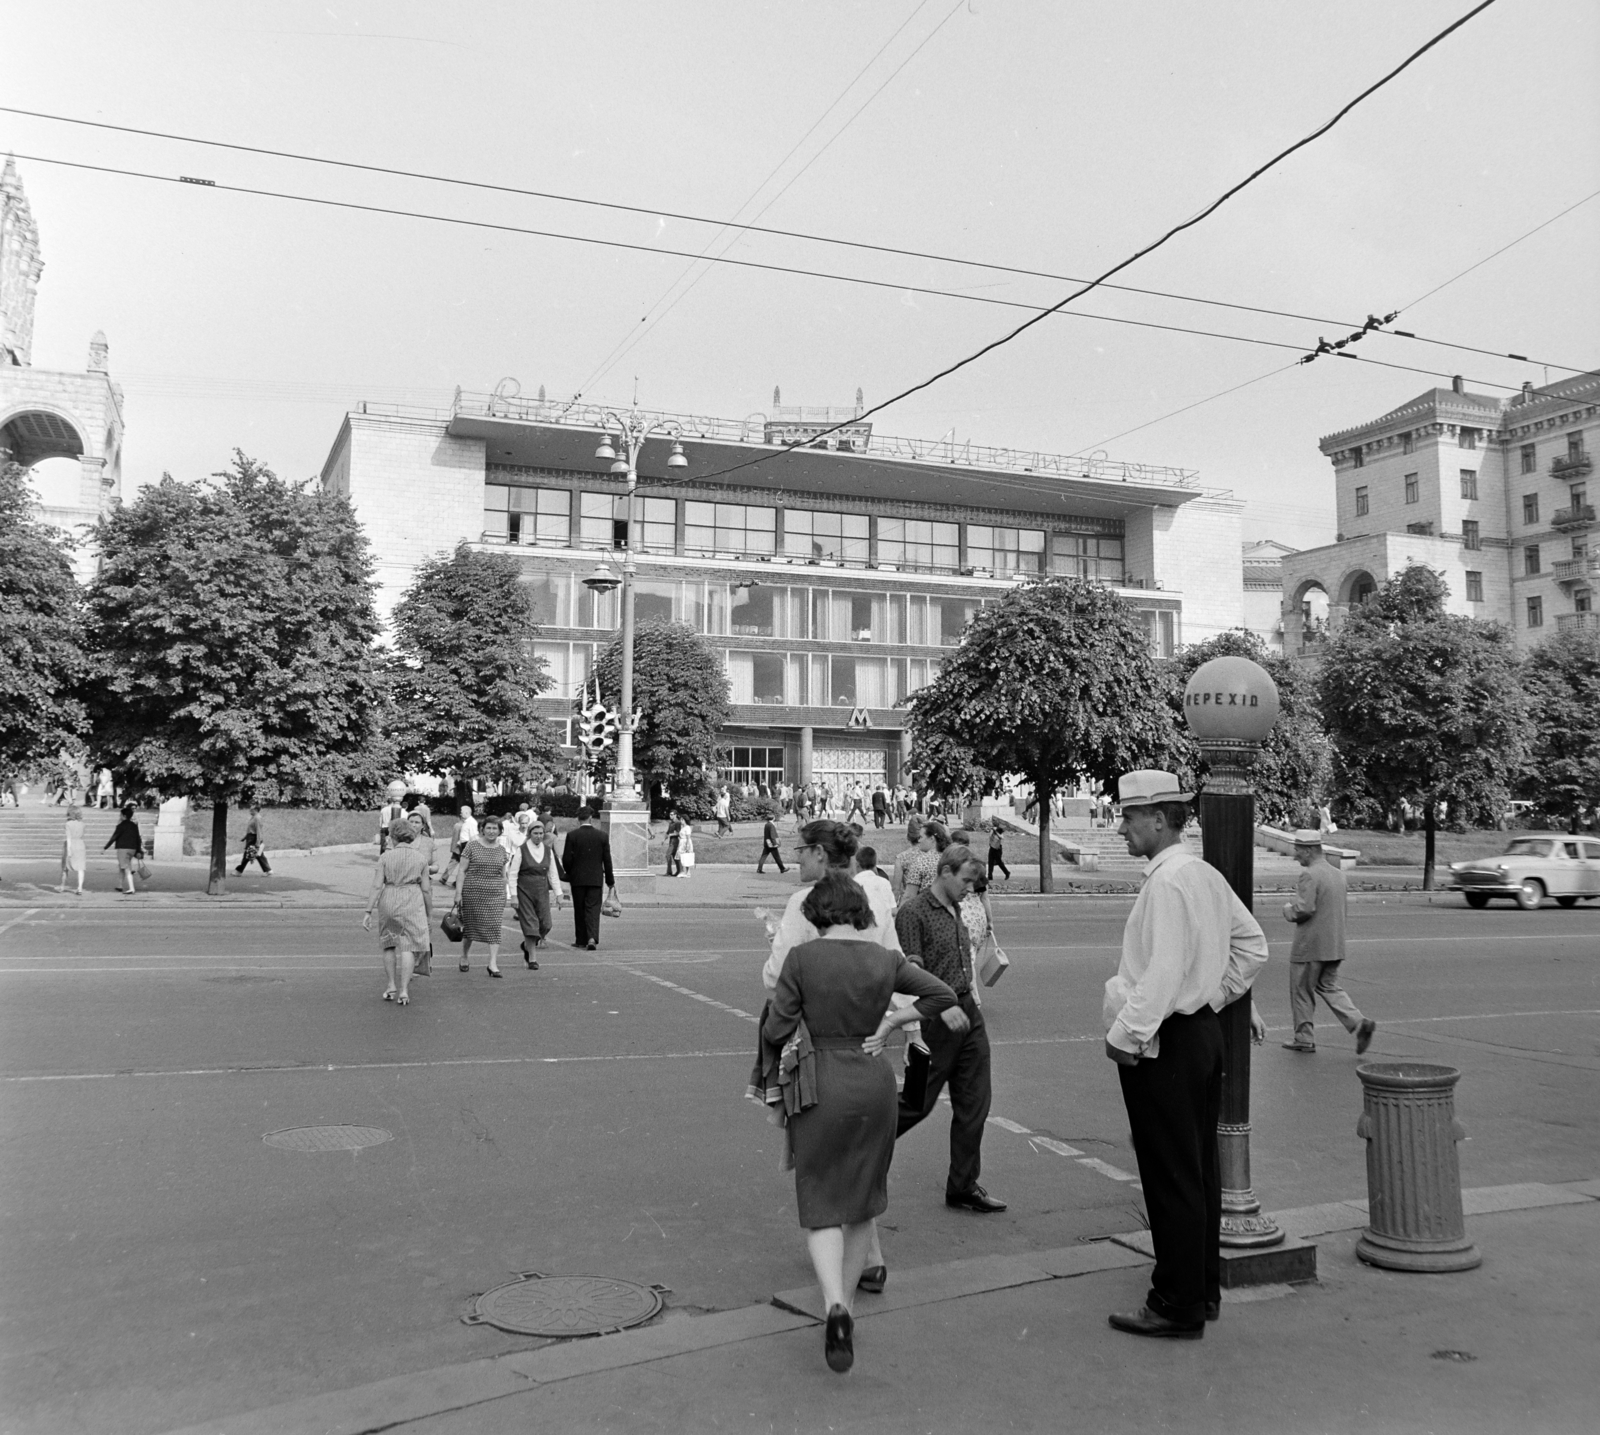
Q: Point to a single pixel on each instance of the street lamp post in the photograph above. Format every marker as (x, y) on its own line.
(628, 814)
(1231, 705)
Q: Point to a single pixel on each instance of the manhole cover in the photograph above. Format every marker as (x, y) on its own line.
(328, 1138)
(534, 1304)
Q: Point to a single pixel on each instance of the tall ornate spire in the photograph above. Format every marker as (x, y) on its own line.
(20, 267)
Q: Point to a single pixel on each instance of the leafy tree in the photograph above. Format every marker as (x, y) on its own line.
(231, 628)
(41, 635)
(681, 691)
(1055, 683)
(1294, 774)
(1562, 676)
(465, 677)
(1424, 705)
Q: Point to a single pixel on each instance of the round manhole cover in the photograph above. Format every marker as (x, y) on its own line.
(566, 1305)
(328, 1138)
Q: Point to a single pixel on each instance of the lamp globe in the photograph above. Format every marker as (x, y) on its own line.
(1231, 699)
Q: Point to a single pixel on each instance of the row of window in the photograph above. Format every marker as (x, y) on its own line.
(560, 600)
(825, 679)
(545, 516)
(1468, 439)
(1578, 497)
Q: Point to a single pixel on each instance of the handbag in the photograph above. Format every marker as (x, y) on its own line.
(612, 906)
(914, 1089)
(450, 924)
(424, 963)
(994, 965)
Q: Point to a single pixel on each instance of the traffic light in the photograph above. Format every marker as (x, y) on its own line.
(597, 728)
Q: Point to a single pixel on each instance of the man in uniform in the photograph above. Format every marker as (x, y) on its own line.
(1189, 948)
(1318, 914)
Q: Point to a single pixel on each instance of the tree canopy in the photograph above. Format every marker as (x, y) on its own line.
(1293, 776)
(231, 628)
(41, 635)
(465, 677)
(1424, 705)
(1055, 683)
(681, 690)
(1562, 777)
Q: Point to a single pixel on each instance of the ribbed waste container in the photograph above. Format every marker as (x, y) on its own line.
(1413, 1175)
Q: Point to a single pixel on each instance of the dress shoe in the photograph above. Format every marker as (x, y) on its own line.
(1305, 1046)
(591, 946)
(838, 1345)
(1364, 1035)
(1213, 1310)
(977, 1199)
(1145, 1321)
(873, 1280)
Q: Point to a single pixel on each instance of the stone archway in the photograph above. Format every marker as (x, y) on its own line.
(31, 433)
(1356, 587)
(1307, 619)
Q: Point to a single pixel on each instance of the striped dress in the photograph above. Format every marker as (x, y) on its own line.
(483, 890)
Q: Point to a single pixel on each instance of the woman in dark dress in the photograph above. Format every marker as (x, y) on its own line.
(840, 985)
(535, 878)
(481, 891)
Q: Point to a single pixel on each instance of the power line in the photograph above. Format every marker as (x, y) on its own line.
(754, 228)
(1210, 209)
(635, 340)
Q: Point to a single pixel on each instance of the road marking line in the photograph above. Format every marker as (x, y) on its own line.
(1059, 1147)
(1010, 1126)
(17, 921)
(1105, 1168)
(682, 991)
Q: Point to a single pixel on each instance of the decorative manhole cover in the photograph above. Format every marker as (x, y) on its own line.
(535, 1304)
(328, 1138)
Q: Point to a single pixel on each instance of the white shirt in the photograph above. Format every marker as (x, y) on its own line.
(1189, 942)
(794, 930)
(468, 829)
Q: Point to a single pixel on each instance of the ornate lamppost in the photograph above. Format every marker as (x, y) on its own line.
(627, 817)
(1231, 705)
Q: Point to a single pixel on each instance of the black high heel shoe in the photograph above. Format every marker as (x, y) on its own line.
(838, 1346)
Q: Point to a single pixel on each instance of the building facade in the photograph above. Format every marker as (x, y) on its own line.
(1495, 494)
(834, 573)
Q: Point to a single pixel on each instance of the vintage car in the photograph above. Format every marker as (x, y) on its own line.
(1534, 866)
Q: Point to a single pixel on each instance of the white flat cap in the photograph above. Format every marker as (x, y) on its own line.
(1305, 837)
(1148, 785)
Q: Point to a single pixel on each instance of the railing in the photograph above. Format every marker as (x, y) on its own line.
(752, 430)
(1570, 465)
(1580, 515)
(1578, 622)
(1575, 570)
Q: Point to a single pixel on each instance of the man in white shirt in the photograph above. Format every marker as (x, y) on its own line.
(1189, 948)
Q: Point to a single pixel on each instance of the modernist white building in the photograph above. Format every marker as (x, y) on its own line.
(833, 573)
(1493, 493)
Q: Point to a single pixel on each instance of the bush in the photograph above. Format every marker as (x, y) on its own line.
(558, 804)
(755, 809)
(698, 804)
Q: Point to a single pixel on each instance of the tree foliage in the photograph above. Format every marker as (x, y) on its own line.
(465, 677)
(681, 690)
(41, 635)
(1055, 683)
(1424, 705)
(231, 628)
(1562, 676)
(1293, 776)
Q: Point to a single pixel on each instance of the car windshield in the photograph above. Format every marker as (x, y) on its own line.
(1527, 847)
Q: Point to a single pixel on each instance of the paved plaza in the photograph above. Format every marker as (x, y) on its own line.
(167, 1268)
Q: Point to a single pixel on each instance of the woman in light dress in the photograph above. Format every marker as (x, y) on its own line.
(686, 850)
(401, 898)
(74, 855)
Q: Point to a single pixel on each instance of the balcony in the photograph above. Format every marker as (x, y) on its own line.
(1577, 570)
(1570, 466)
(1579, 516)
(1578, 622)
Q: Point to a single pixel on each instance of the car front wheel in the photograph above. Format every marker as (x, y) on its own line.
(1530, 894)
(1477, 899)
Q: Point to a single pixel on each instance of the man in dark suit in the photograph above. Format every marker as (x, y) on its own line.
(587, 859)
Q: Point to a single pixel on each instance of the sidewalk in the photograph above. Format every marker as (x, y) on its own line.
(1021, 1343)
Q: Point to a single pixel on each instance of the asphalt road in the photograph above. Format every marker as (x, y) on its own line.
(163, 1264)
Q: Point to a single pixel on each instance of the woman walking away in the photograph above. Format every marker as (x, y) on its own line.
(997, 848)
(535, 877)
(405, 909)
(74, 855)
(482, 893)
(129, 845)
(839, 986)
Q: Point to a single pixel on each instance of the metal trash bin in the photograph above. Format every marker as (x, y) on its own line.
(1413, 1173)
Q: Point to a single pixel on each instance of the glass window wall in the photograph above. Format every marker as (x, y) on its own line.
(1080, 555)
(919, 545)
(659, 524)
(1005, 550)
(836, 537)
(757, 678)
(598, 517)
(552, 598)
(527, 515)
(710, 528)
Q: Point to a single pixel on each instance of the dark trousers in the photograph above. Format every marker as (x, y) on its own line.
(673, 865)
(772, 852)
(252, 853)
(997, 859)
(962, 1059)
(878, 817)
(1173, 1101)
(586, 915)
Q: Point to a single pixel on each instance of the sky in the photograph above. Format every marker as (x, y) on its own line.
(1056, 136)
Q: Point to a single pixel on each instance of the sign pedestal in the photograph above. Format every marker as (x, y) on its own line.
(626, 821)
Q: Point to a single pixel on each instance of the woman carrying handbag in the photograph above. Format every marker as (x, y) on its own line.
(481, 893)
